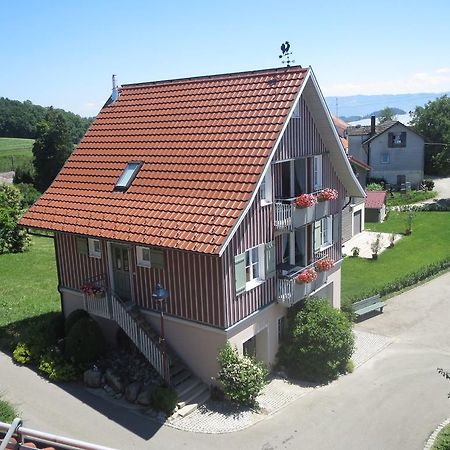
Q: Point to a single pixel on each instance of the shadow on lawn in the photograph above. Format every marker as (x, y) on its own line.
(45, 328)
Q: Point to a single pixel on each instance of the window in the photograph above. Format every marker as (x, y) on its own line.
(266, 188)
(317, 172)
(95, 249)
(254, 266)
(143, 256)
(323, 233)
(128, 175)
(397, 139)
(385, 158)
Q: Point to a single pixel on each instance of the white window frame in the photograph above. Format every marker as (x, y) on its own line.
(140, 260)
(93, 251)
(266, 188)
(255, 281)
(385, 160)
(326, 232)
(317, 172)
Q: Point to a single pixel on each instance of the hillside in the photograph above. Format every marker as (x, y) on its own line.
(363, 105)
(14, 152)
(19, 120)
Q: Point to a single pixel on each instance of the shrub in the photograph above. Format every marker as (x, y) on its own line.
(24, 174)
(242, 378)
(164, 399)
(85, 341)
(355, 252)
(350, 366)
(374, 187)
(29, 194)
(319, 342)
(428, 184)
(73, 318)
(375, 180)
(22, 354)
(55, 367)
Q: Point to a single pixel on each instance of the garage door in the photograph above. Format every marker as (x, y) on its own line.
(356, 222)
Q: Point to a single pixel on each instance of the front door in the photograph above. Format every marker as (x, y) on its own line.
(121, 271)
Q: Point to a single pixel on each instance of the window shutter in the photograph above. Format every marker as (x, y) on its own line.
(157, 259)
(336, 227)
(82, 245)
(269, 258)
(403, 138)
(239, 272)
(317, 236)
(390, 139)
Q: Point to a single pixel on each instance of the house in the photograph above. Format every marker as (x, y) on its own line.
(393, 151)
(353, 211)
(375, 206)
(192, 184)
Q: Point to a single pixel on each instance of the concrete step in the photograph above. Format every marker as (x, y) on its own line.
(184, 387)
(180, 377)
(192, 395)
(176, 368)
(187, 409)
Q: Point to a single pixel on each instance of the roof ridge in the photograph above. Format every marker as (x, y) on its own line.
(247, 73)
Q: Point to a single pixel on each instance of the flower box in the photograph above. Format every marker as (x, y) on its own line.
(303, 216)
(301, 290)
(321, 279)
(322, 209)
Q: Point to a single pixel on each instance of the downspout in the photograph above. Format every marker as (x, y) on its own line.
(58, 272)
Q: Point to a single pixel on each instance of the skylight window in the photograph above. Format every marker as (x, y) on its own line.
(128, 175)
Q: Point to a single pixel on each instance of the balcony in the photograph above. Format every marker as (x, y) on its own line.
(288, 216)
(290, 291)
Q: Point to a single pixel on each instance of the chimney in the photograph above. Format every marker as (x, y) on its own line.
(372, 125)
(115, 89)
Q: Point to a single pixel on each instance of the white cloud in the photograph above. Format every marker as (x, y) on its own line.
(434, 81)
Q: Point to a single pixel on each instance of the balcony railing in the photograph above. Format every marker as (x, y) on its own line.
(289, 217)
(291, 292)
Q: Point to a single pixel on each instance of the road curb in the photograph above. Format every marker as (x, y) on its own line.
(433, 436)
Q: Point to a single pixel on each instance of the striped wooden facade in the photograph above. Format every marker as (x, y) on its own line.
(201, 286)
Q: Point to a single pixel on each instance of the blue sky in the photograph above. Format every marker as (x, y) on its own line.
(62, 53)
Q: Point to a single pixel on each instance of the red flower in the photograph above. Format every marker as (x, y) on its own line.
(91, 289)
(307, 276)
(327, 194)
(324, 264)
(305, 200)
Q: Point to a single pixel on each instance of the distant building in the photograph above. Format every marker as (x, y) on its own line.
(393, 151)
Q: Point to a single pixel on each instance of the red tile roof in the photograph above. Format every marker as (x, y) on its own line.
(204, 143)
(375, 199)
(358, 162)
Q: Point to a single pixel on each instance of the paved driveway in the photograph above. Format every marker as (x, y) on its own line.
(393, 401)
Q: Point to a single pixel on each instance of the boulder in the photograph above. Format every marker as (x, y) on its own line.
(132, 391)
(92, 378)
(113, 381)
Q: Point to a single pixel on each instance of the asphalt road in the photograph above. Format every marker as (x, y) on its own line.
(393, 401)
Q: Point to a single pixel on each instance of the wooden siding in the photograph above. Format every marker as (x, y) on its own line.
(301, 139)
(194, 280)
(255, 229)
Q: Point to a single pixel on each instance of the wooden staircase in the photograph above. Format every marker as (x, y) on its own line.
(191, 391)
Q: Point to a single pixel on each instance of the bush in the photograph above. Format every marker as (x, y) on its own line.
(22, 354)
(242, 378)
(73, 318)
(29, 194)
(428, 184)
(374, 187)
(55, 367)
(375, 180)
(319, 342)
(164, 399)
(24, 174)
(85, 341)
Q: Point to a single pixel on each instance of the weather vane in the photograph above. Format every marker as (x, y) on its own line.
(286, 54)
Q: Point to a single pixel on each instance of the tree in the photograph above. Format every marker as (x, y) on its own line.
(386, 114)
(432, 121)
(51, 149)
(12, 238)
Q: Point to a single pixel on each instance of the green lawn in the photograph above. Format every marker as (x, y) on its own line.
(428, 243)
(14, 152)
(28, 288)
(442, 441)
(7, 412)
(398, 199)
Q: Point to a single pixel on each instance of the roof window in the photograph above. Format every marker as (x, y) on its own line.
(128, 175)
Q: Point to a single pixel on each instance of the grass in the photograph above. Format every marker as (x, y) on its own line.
(14, 152)
(442, 441)
(28, 289)
(427, 244)
(399, 199)
(7, 412)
